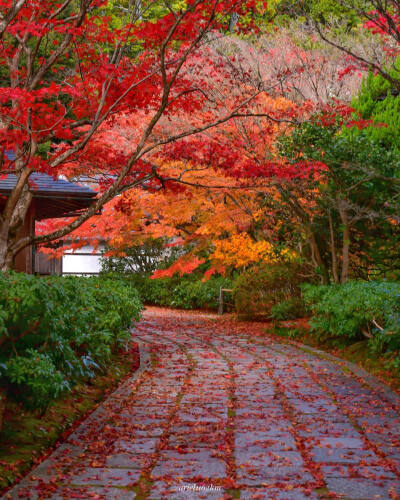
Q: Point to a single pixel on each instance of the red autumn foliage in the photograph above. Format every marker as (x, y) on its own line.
(69, 77)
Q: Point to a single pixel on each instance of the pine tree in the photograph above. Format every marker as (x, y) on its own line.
(379, 101)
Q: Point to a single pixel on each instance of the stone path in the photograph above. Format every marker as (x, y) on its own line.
(217, 414)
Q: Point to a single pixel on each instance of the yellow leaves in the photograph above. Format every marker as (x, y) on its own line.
(258, 214)
(240, 250)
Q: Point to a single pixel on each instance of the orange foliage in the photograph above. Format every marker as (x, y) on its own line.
(212, 205)
(183, 265)
(240, 250)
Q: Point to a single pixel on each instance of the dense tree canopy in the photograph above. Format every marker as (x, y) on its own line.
(70, 70)
(234, 130)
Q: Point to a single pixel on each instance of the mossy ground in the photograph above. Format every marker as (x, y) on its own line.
(357, 352)
(27, 437)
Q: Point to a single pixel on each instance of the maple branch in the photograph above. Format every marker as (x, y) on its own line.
(191, 91)
(246, 210)
(194, 169)
(141, 182)
(207, 186)
(96, 122)
(169, 7)
(366, 62)
(6, 20)
(200, 129)
(166, 86)
(31, 84)
(58, 11)
(266, 115)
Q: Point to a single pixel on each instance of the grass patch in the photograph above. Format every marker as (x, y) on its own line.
(28, 437)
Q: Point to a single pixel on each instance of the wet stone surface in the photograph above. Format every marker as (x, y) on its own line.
(221, 410)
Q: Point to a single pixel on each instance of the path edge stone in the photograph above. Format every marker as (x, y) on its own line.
(376, 384)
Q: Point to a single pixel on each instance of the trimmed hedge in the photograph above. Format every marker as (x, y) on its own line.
(55, 331)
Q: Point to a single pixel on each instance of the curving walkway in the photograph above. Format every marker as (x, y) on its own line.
(215, 413)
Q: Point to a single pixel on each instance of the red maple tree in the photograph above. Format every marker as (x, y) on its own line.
(69, 73)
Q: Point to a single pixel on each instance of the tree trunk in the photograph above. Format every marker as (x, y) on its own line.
(345, 245)
(316, 256)
(233, 21)
(335, 273)
(312, 241)
(6, 256)
(345, 254)
(11, 224)
(3, 401)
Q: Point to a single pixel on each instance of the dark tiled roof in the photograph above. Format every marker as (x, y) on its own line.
(42, 184)
(52, 197)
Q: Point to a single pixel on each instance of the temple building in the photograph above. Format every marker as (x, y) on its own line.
(52, 198)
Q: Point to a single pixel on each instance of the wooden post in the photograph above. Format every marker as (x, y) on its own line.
(221, 301)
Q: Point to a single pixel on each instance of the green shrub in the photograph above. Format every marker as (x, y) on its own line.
(35, 377)
(291, 308)
(55, 331)
(199, 294)
(357, 310)
(154, 292)
(259, 289)
(378, 100)
(143, 258)
(283, 331)
(182, 292)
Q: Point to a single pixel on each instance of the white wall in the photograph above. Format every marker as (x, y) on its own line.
(82, 261)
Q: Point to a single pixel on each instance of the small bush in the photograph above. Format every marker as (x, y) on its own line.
(182, 292)
(258, 290)
(290, 333)
(199, 294)
(55, 331)
(357, 310)
(292, 308)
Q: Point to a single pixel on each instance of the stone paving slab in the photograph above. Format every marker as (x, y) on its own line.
(84, 493)
(320, 430)
(190, 466)
(291, 493)
(343, 456)
(258, 441)
(376, 472)
(268, 459)
(128, 461)
(340, 442)
(262, 475)
(221, 414)
(361, 488)
(275, 428)
(141, 445)
(98, 476)
(184, 491)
